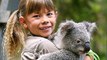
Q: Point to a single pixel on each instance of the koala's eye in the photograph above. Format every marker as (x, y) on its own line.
(78, 41)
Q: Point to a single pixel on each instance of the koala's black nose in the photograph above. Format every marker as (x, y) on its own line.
(87, 47)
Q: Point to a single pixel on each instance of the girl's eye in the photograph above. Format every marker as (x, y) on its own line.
(49, 14)
(36, 16)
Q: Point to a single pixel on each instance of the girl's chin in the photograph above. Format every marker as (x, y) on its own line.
(46, 35)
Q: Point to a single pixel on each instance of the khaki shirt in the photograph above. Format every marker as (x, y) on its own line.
(35, 46)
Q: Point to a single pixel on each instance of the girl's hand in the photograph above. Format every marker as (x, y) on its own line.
(88, 58)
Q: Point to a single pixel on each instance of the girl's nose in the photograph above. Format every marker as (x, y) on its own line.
(45, 22)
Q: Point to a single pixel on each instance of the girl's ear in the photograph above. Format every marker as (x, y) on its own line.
(22, 21)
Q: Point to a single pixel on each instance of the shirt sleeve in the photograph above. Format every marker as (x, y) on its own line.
(93, 54)
(34, 49)
(28, 56)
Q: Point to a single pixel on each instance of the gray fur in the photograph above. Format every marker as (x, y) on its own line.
(73, 40)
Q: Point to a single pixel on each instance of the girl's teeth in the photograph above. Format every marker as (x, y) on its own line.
(44, 28)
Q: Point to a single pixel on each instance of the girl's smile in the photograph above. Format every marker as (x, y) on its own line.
(45, 28)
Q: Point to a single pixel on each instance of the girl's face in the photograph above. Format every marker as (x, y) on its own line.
(41, 24)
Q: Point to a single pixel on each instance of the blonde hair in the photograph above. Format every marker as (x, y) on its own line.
(15, 34)
(13, 37)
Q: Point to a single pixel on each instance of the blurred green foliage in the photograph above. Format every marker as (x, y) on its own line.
(87, 10)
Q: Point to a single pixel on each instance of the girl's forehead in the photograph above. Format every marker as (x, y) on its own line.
(44, 10)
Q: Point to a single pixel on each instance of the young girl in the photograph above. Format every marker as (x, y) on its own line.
(28, 28)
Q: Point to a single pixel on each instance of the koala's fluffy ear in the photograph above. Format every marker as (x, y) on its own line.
(67, 25)
(91, 27)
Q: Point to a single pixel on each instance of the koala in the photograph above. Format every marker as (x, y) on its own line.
(73, 41)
